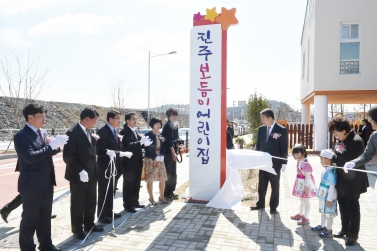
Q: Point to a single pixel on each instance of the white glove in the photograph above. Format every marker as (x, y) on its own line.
(283, 166)
(148, 143)
(144, 139)
(111, 154)
(162, 158)
(158, 159)
(84, 176)
(348, 165)
(126, 154)
(58, 141)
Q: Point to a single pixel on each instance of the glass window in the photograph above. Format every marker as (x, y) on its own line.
(345, 31)
(349, 51)
(354, 31)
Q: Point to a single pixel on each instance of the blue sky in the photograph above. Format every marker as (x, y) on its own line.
(87, 44)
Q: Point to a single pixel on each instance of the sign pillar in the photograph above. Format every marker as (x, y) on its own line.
(208, 87)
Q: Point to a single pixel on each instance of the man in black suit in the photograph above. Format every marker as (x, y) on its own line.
(16, 202)
(132, 168)
(80, 158)
(37, 178)
(108, 139)
(273, 139)
(170, 133)
(229, 138)
(230, 128)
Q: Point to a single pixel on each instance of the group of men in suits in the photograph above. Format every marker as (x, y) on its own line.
(83, 170)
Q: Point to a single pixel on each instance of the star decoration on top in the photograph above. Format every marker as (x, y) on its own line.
(227, 18)
(198, 17)
(211, 14)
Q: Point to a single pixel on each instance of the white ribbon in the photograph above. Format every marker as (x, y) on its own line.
(357, 170)
(230, 195)
(112, 174)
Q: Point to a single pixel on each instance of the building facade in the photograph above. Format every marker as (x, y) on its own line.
(339, 59)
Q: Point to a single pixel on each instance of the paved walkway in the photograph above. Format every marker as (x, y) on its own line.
(185, 226)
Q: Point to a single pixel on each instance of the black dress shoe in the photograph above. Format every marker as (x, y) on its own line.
(4, 214)
(105, 220)
(256, 208)
(169, 198)
(341, 234)
(117, 215)
(53, 216)
(273, 211)
(139, 206)
(80, 235)
(97, 229)
(49, 248)
(351, 241)
(129, 209)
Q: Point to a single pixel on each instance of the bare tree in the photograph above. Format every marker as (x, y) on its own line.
(24, 81)
(162, 104)
(183, 118)
(295, 116)
(120, 94)
(281, 110)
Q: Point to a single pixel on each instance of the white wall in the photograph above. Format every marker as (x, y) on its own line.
(324, 38)
(307, 85)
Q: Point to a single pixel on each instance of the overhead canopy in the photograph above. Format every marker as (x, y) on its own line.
(344, 97)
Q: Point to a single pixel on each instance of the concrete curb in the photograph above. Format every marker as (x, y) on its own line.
(8, 156)
(64, 193)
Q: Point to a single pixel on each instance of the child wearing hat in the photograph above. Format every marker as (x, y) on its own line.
(326, 194)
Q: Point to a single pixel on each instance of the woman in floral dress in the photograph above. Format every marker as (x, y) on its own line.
(154, 162)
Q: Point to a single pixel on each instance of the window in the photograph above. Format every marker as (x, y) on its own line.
(350, 49)
(303, 66)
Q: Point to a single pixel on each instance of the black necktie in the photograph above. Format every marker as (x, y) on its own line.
(40, 136)
(88, 135)
(116, 137)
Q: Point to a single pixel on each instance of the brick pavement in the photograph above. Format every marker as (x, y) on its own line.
(185, 226)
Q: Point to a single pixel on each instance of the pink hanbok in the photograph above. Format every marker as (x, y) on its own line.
(302, 181)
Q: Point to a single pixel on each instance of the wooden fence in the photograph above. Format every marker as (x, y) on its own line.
(303, 134)
(300, 134)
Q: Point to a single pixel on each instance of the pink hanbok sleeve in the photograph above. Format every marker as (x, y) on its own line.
(306, 167)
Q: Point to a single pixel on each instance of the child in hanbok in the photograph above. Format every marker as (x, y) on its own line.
(327, 194)
(304, 186)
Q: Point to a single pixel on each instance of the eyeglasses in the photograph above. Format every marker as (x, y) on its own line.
(40, 116)
(117, 118)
